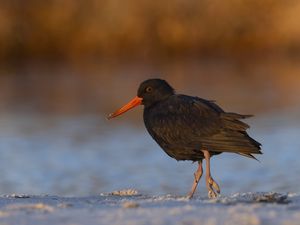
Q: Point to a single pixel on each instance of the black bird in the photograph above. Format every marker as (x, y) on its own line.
(191, 128)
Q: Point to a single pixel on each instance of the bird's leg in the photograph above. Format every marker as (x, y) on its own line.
(197, 177)
(211, 185)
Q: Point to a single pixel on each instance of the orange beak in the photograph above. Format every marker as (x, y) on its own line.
(133, 103)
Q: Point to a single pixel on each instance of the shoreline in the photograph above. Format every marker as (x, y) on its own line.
(130, 207)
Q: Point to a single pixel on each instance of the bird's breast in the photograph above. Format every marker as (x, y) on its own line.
(166, 131)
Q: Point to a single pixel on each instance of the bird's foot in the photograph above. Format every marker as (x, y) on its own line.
(197, 177)
(212, 187)
(190, 195)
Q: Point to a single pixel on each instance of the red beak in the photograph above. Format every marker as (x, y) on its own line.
(133, 103)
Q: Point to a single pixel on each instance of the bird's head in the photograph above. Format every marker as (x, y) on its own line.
(150, 91)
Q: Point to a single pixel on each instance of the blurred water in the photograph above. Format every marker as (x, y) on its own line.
(84, 155)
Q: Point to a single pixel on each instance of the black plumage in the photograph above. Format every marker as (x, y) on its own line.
(191, 128)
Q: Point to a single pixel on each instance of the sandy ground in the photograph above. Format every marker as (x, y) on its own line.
(130, 207)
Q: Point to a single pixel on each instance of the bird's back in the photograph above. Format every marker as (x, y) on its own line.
(183, 125)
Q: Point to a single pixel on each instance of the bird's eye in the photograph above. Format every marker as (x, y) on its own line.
(148, 89)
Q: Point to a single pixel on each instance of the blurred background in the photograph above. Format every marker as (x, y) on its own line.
(64, 65)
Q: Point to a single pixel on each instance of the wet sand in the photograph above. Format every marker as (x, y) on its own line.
(130, 207)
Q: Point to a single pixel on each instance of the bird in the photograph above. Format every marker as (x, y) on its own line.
(191, 128)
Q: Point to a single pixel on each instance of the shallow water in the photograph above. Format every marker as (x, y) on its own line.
(84, 155)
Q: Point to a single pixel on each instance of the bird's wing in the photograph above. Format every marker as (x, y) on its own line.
(185, 120)
(198, 123)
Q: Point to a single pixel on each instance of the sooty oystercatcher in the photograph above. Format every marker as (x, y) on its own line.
(191, 128)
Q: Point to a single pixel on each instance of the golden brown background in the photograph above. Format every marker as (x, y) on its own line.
(71, 56)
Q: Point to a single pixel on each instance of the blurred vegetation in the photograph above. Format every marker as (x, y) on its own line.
(76, 30)
(89, 56)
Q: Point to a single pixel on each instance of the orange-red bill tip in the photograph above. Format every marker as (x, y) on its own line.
(134, 102)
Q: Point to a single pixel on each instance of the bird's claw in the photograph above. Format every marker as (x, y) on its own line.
(190, 195)
(212, 194)
(215, 186)
(212, 187)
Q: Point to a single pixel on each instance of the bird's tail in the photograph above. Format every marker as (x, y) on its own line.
(233, 137)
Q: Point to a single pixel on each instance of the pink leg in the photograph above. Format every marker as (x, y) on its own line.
(197, 177)
(211, 185)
